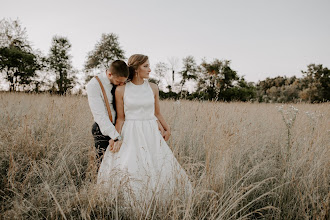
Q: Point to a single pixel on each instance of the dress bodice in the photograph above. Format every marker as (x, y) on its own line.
(139, 102)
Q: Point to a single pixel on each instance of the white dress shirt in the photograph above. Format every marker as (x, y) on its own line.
(98, 107)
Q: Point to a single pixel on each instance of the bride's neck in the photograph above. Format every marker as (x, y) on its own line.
(138, 80)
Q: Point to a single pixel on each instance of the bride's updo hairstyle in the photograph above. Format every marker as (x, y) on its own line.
(134, 62)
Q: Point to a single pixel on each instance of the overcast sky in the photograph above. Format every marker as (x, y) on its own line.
(262, 38)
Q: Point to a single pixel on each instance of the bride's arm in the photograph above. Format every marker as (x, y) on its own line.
(119, 95)
(158, 114)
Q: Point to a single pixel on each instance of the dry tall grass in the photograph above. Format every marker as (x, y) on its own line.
(238, 156)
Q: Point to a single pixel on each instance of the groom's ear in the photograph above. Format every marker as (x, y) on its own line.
(108, 73)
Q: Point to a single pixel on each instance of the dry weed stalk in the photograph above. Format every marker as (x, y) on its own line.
(233, 153)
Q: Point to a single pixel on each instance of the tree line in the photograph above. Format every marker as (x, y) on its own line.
(25, 69)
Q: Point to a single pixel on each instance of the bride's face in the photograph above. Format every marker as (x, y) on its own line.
(144, 70)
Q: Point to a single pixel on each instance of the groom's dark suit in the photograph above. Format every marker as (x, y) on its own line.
(102, 141)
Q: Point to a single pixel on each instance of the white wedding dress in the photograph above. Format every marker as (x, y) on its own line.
(145, 167)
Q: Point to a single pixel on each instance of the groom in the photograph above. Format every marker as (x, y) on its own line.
(103, 130)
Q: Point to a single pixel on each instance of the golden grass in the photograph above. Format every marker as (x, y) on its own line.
(236, 154)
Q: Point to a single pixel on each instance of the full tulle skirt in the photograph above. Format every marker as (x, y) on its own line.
(145, 168)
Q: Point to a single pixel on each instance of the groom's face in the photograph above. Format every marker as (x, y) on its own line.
(116, 80)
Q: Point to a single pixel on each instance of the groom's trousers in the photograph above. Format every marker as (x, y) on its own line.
(101, 142)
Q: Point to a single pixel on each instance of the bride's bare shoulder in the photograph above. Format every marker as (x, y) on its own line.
(153, 86)
(120, 90)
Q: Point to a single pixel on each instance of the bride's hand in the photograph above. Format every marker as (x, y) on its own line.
(116, 146)
(166, 135)
(160, 127)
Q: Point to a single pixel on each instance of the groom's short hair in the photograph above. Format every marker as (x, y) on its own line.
(119, 68)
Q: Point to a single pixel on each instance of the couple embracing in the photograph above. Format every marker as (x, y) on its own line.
(130, 132)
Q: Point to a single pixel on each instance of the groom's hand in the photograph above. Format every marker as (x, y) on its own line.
(111, 144)
(116, 146)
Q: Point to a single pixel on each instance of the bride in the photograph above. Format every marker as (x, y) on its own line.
(140, 160)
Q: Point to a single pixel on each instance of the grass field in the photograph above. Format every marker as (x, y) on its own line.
(245, 160)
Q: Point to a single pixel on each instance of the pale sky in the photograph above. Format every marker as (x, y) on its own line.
(262, 38)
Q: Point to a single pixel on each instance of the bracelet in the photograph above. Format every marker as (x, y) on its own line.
(119, 138)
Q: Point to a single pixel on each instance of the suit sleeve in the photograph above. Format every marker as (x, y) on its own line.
(99, 112)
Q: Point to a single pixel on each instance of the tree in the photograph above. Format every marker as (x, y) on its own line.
(278, 89)
(60, 62)
(189, 70)
(246, 91)
(215, 78)
(18, 65)
(17, 60)
(105, 52)
(316, 84)
(161, 71)
(13, 34)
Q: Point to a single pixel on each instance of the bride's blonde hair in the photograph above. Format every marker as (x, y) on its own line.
(134, 62)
